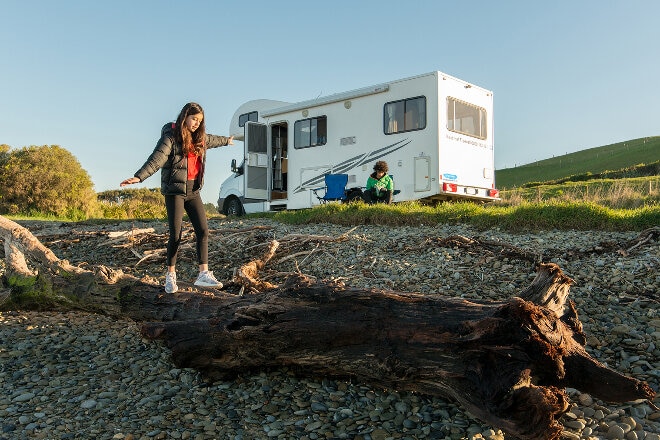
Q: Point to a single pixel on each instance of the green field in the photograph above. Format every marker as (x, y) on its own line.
(591, 161)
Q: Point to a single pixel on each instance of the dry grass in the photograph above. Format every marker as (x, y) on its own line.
(616, 194)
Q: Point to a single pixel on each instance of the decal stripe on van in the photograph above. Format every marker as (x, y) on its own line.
(353, 162)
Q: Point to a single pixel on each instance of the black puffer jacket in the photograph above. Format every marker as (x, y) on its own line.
(169, 158)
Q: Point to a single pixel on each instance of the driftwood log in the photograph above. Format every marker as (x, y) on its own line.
(506, 362)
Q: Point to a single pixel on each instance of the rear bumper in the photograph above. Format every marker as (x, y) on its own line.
(451, 190)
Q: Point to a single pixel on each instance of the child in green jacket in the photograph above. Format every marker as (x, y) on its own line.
(379, 185)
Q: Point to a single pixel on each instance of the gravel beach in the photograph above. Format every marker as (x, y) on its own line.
(86, 376)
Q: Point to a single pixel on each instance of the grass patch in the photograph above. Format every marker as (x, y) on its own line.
(37, 217)
(528, 216)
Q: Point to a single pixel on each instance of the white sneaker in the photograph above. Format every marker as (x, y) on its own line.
(206, 279)
(170, 283)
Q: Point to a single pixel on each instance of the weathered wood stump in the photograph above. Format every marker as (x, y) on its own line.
(507, 362)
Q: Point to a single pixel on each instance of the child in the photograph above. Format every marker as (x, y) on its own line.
(379, 185)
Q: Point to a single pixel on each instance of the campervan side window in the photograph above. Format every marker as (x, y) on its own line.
(245, 117)
(310, 132)
(405, 115)
(466, 118)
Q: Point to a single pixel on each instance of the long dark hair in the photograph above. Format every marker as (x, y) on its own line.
(191, 141)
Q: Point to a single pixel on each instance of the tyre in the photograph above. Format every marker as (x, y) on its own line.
(233, 206)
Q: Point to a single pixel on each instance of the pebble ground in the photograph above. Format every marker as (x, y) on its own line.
(85, 376)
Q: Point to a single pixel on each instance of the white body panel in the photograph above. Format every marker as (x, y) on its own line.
(420, 160)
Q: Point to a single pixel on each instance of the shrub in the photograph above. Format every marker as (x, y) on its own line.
(47, 180)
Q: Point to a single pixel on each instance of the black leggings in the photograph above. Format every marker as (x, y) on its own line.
(370, 196)
(192, 204)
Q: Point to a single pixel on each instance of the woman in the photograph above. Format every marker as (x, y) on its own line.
(180, 154)
(379, 185)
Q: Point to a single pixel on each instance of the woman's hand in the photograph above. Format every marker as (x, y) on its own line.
(130, 181)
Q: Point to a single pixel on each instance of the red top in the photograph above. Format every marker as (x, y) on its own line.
(194, 165)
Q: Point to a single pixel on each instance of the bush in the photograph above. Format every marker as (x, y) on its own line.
(46, 180)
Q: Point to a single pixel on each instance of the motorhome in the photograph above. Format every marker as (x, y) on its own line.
(434, 131)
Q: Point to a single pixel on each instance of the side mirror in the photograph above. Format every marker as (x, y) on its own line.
(238, 170)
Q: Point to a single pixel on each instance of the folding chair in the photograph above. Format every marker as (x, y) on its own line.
(335, 188)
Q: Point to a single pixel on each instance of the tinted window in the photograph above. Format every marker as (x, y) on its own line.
(252, 116)
(405, 115)
(310, 132)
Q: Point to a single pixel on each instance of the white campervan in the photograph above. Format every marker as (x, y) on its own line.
(434, 131)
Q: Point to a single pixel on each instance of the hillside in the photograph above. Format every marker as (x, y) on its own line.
(593, 160)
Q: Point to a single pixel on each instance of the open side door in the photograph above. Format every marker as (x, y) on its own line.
(257, 172)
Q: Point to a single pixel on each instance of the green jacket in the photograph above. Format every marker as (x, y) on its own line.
(385, 183)
(169, 158)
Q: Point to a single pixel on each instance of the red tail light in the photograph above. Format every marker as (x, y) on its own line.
(493, 193)
(449, 187)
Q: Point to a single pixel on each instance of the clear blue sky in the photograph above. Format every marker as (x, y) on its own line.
(99, 78)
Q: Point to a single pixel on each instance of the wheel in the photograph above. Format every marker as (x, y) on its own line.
(233, 206)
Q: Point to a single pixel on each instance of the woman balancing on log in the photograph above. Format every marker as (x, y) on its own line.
(180, 154)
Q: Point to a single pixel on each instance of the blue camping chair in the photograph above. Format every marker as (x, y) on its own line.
(335, 188)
